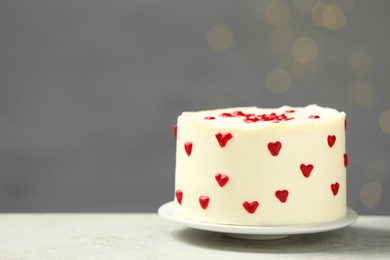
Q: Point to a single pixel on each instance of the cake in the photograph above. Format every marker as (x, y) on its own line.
(261, 167)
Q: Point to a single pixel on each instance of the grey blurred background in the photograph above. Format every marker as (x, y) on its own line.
(90, 90)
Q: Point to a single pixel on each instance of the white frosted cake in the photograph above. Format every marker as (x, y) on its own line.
(261, 167)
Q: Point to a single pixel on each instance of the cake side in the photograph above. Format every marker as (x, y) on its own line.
(262, 167)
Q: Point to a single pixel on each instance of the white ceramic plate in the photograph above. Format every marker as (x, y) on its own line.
(167, 211)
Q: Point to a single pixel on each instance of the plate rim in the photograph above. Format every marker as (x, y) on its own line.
(166, 211)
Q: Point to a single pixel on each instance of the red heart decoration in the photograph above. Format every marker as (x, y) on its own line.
(223, 138)
(331, 140)
(306, 169)
(238, 113)
(179, 196)
(188, 147)
(282, 195)
(204, 201)
(274, 148)
(335, 188)
(175, 131)
(345, 123)
(250, 207)
(221, 179)
(345, 160)
(226, 115)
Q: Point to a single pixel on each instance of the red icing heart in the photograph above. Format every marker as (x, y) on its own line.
(331, 140)
(175, 131)
(345, 124)
(345, 160)
(274, 148)
(314, 116)
(204, 201)
(306, 169)
(221, 179)
(223, 138)
(282, 195)
(335, 188)
(250, 207)
(251, 118)
(238, 113)
(226, 115)
(188, 147)
(179, 196)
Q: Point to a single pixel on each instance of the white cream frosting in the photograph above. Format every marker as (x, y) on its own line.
(254, 174)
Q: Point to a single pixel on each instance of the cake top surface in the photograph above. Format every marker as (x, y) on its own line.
(254, 117)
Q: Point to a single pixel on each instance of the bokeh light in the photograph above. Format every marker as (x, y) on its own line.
(333, 17)
(371, 194)
(304, 49)
(384, 121)
(377, 171)
(278, 81)
(362, 93)
(329, 16)
(316, 14)
(280, 39)
(220, 37)
(277, 13)
(305, 6)
(359, 63)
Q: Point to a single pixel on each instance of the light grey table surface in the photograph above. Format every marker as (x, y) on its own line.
(147, 236)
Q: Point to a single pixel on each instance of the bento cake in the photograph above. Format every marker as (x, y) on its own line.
(261, 166)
